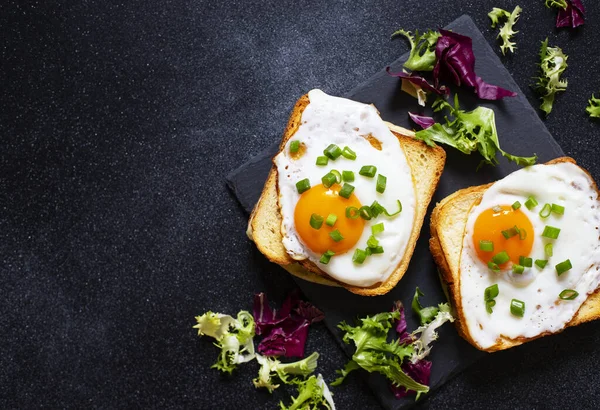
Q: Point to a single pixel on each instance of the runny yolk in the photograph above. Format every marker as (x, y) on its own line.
(325, 201)
(489, 226)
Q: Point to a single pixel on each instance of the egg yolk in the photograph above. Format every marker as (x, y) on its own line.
(489, 226)
(325, 201)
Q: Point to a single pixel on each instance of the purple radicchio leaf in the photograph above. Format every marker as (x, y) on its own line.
(573, 16)
(421, 120)
(456, 63)
(419, 81)
(403, 336)
(285, 331)
(419, 372)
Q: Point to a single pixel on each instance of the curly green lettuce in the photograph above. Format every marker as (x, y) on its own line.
(375, 354)
(426, 334)
(507, 30)
(593, 108)
(469, 131)
(553, 64)
(234, 337)
(312, 393)
(561, 4)
(426, 314)
(270, 368)
(422, 49)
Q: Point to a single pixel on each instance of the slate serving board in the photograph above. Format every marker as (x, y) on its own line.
(521, 133)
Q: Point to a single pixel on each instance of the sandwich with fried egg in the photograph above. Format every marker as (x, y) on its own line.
(520, 258)
(345, 199)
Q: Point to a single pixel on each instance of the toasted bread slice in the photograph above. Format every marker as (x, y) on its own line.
(264, 226)
(448, 224)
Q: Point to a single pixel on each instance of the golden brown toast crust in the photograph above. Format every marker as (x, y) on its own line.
(264, 228)
(449, 217)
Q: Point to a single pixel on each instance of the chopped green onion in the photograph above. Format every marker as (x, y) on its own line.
(509, 233)
(348, 153)
(557, 209)
(489, 304)
(377, 209)
(365, 213)
(525, 261)
(486, 246)
(372, 242)
(338, 176)
(336, 235)
(359, 256)
(331, 219)
(316, 221)
(568, 294)
(501, 258)
(326, 257)
(518, 269)
(550, 232)
(346, 191)
(303, 186)
(541, 263)
(516, 205)
(497, 208)
(328, 180)
(322, 161)
(352, 212)
(522, 233)
(375, 250)
(563, 267)
(332, 152)
(294, 146)
(369, 251)
(381, 183)
(517, 307)
(531, 203)
(493, 266)
(368, 171)
(347, 176)
(377, 228)
(545, 212)
(548, 249)
(491, 292)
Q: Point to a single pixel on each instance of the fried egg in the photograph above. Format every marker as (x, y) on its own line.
(328, 120)
(528, 231)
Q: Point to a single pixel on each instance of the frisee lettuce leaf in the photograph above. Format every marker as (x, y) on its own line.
(506, 31)
(561, 4)
(270, 368)
(426, 314)
(422, 49)
(553, 64)
(593, 108)
(234, 337)
(375, 354)
(469, 131)
(312, 393)
(426, 334)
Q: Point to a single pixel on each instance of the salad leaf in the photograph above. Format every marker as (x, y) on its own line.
(419, 81)
(422, 121)
(506, 31)
(375, 354)
(271, 367)
(234, 337)
(422, 49)
(419, 371)
(427, 334)
(403, 336)
(553, 64)
(456, 63)
(469, 131)
(593, 109)
(285, 331)
(571, 13)
(426, 314)
(312, 393)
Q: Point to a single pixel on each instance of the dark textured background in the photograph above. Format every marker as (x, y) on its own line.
(119, 121)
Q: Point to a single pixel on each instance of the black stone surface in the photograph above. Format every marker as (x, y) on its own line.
(119, 122)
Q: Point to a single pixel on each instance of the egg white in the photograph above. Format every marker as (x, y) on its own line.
(564, 184)
(333, 120)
